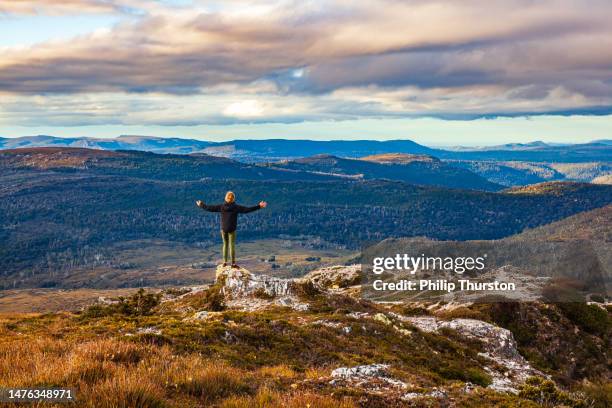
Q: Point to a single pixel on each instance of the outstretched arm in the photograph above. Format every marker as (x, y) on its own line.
(211, 208)
(244, 210)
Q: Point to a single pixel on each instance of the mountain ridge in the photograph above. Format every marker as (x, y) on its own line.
(196, 166)
(279, 149)
(424, 170)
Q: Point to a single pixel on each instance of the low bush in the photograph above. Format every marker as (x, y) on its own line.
(211, 299)
(139, 304)
(598, 395)
(546, 394)
(590, 318)
(470, 374)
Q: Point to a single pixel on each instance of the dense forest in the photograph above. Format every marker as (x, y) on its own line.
(57, 219)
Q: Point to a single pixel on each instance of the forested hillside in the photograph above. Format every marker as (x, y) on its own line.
(57, 219)
(517, 173)
(409, 168)
(280, 149)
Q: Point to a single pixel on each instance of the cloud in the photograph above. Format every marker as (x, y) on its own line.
(329, 59)
(58, 7)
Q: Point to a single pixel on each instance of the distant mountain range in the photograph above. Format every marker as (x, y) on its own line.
(538, 144)
(421, 170)
(600, 151)
(519, 173)
(281, 149)
(137, 164)
(125, 142)
(244, 150)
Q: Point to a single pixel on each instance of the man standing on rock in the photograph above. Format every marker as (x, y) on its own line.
(229, 221)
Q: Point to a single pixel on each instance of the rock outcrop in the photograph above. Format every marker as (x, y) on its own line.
(499, 346)
(373, 377)
(335, 277)
(245, 290)
(240, 282)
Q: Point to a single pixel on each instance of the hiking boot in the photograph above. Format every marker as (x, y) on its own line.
(235, 266)
(224, 264)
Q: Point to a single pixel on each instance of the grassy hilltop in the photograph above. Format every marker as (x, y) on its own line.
(141, 352)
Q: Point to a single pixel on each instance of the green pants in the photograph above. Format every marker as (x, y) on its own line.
(229, 246)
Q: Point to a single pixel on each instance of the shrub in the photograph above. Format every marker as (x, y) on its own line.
(590, 318)
(261, 293)
(545, 393)
(306, 289)
(211, 299)
(471, 374)
(411, 310)
(598, 395)
(139, 304)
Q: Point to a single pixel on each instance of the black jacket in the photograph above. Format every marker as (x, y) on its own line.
(229, 214)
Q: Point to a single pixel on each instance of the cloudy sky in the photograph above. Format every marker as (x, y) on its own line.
(439, 72)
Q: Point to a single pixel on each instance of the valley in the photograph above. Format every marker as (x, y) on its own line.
(64, 210)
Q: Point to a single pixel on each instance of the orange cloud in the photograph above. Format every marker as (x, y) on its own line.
(444, 57)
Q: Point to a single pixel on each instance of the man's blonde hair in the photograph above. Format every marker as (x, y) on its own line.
(230, 197)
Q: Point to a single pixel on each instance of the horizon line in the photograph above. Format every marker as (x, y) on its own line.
(300, 140)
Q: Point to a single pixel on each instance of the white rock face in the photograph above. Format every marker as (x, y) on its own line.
(358, 315)
(334, 277)
(333, 325)
(499, 346)
(247, 291)
(372, 376)
(102, 300)
(148, 330)
(204, 316)
(362, 371)
(241, 282)
(434, 393)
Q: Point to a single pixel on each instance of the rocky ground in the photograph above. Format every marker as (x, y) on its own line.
(255, 340)
(507, 370)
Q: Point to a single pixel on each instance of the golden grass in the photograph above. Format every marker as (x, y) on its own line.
(278, 371)
(126, 389)
(203, 379)
(266, 398)
(52, 300)
(118, 373)
(274, 358)
(314, 373)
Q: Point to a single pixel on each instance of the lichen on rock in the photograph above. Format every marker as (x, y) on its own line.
(499, 346)
(248, 291)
